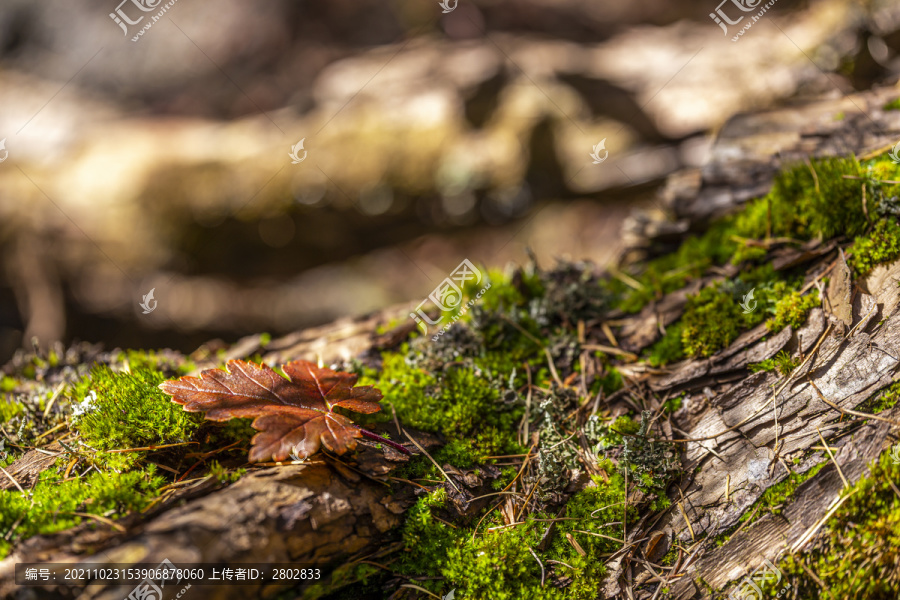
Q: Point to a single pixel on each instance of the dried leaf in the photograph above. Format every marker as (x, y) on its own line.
(294, 415)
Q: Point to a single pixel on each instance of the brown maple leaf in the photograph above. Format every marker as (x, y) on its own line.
(293, 415)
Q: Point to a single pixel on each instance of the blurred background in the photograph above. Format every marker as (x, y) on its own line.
(428, 136)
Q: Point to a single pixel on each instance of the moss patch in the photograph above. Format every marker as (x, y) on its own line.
(879, 247)
(128, 410)
(54, 502)
(859, 551)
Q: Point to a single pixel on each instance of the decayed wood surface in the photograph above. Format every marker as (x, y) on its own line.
(323, 511)
(751, 148)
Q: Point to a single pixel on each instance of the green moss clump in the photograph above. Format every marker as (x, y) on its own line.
(792, 309)
(881, 246)
(884, 399)
(128, 410)
(499, 564)
(53, 502)
(772, 500)
(7, 384)
(858, 555)
(892, 105)
(810, 200)
(712, 320)
(774, 497)
(782, 362)
(9, 409)
(668, 348)
(466, 402)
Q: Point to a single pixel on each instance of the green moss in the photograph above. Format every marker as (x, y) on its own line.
(809, 200)
(499, 564)
(782, 362)
(792, 309)
(128, 410)
(7, 384)
(806, 201)
(883, 399)
(9, 408)
(668, 348)
(53, 502)
(165, 361)
(466, 402)
(857, 554)
(775, 497)
(879, 247)
(223, 475)
(674, 404)
(892, 105)
(713, 319)
(772, 500)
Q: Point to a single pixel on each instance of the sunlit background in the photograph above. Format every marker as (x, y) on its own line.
(428, 137)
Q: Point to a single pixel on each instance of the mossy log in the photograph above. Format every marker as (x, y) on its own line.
(782, 388)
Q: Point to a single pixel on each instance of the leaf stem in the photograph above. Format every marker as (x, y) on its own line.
(375, 436)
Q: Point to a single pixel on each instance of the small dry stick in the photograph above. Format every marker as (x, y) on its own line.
(809, 572)
(99, 518)
(49, 431)
(811, 532)
(540, 563)
(831, 456)
(610, 350)
(434, 462)
(13, 528)
(415, 587)
(686, 520)
(123, 450)
(525, 504)
(625, 278)
(553, 368)
(864, 207)
(571, 539)
(15, 483)
(625, 513)
(527, 417)
(53, 398)
(600, 535)
(509, 485)
(847, 411)
(775, 408)
(396, 420)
